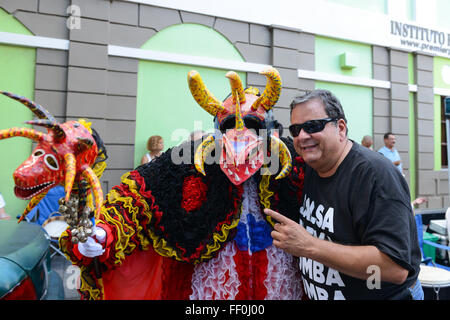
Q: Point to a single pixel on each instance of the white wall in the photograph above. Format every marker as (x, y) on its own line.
(327, 19)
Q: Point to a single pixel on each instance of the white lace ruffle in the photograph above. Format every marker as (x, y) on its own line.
(250, 202)
(250, 206)
(210, 281)
(217, 279)
(283, 281)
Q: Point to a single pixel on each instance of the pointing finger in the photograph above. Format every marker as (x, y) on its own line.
(277, 216)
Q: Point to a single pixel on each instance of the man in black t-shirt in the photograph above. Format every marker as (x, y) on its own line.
(357, 236)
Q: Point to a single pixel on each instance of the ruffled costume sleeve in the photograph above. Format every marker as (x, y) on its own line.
(125, 216)
(167, 207)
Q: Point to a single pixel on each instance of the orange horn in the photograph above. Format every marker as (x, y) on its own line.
(92, 179)
(202, 95)
(22, 132)
(237, 89)
(272, 91)
(70, 166)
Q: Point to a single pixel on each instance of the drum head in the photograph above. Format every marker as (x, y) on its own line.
(434, 276)
(55, 226)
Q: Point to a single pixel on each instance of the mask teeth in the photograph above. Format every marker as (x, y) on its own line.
(246, 171)
(237, 177)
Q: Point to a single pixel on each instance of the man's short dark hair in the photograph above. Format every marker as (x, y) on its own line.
(387, 134)
(333, 107)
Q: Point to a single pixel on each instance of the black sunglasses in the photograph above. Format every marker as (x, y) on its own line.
(311, 126)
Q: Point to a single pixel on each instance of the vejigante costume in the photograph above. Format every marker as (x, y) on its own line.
(195, 229)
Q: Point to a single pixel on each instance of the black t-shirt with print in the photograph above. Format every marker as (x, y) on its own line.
(366, 202)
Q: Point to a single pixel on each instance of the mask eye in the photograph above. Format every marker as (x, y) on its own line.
(51, 162)
(38, 153)
(253, 123)
(228, 123)
(249, 121)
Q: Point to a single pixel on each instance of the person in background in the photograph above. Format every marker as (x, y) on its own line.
(367, 142)
(155, 146)
(390, 152)
(3, 214)
(418, 201)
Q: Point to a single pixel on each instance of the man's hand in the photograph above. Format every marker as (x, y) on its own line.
(289, 235)
(419, 201)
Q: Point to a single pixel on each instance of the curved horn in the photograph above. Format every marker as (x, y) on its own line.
(202, 95)
(92, 179)
(202, 151)
(239, 122)
(284, 155)
(70, 164)
(272, 91)
(37, 109)
(52, 125)
(22, 132)
(236, 87)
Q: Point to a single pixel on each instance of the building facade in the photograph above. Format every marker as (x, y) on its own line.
(123, 65)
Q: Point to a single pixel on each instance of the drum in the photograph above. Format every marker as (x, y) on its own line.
(435, 283)
(55, 226)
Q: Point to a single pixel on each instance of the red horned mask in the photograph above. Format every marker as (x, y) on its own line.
(240, 117)
(64, 155)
